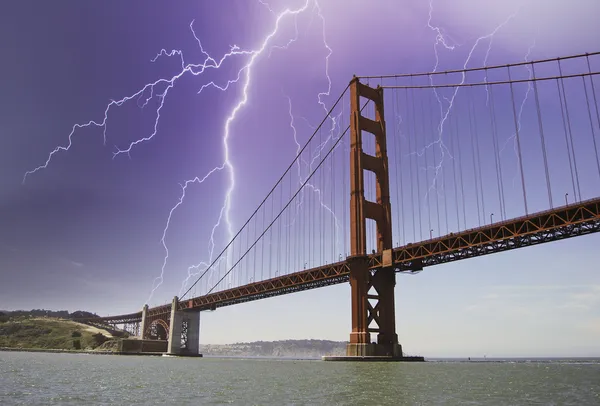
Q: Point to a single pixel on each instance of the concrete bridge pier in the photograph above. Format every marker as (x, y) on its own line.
(142, 331)
(184, 331)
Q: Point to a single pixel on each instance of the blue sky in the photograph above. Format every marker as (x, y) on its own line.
(85, 232)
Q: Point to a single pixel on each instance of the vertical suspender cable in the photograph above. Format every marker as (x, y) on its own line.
(425, 154)
(593, 131)
(518, 137)
(418, 178)
(475, 172)
(400, 174)
(462, 181)
(498, 160)
(542, 137)
(495, 147)
(454, 134)
(570, 132)
(478, 156)
(410, 174)
(437, 170)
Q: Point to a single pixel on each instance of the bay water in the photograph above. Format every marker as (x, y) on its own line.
(83, 379)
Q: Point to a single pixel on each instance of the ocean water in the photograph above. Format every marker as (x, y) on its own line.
(80, 379)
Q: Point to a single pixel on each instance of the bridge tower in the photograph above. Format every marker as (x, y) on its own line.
(372, 291)
(184, 331)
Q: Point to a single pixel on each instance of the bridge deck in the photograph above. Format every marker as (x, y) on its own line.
(551, 225)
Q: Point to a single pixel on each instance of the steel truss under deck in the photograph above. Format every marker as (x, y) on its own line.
(537, 228)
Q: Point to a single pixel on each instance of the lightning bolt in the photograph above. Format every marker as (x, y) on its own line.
(195, 270)
(334, 124)
(194, 69)
(334, 119)
(441, 40)
(159, 89)
(331, 137)
(447, 43)
(299, 158)
(225, 211)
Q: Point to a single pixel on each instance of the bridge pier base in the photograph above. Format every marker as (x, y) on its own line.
(184, 332)
(372, 301)
(373, 350)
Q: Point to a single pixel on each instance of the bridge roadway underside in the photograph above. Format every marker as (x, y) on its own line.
(551, 225)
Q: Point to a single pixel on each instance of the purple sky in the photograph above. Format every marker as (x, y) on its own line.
(85, 232)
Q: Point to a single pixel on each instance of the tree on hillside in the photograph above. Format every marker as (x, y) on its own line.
(82, 314)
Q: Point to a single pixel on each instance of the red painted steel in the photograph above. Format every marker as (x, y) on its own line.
(537, 228)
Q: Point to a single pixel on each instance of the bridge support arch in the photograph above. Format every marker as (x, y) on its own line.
(372, 291)
(184, 331)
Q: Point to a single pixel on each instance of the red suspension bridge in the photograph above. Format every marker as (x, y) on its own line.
(463, 163)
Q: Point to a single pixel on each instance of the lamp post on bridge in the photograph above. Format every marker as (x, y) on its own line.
(492, 218)
(431, 234)
(566, 199)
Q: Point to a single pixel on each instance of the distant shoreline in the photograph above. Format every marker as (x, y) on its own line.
(433, 359)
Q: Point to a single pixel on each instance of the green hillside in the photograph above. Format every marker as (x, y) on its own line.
(49, 333)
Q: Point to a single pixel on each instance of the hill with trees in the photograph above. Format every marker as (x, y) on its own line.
(45, 329)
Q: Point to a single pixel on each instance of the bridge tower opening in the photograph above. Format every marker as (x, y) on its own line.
(372, 292)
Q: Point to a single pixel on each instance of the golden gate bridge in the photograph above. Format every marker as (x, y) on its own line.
(422, 187)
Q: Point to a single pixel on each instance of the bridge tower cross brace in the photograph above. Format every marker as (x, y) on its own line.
(362, 279)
